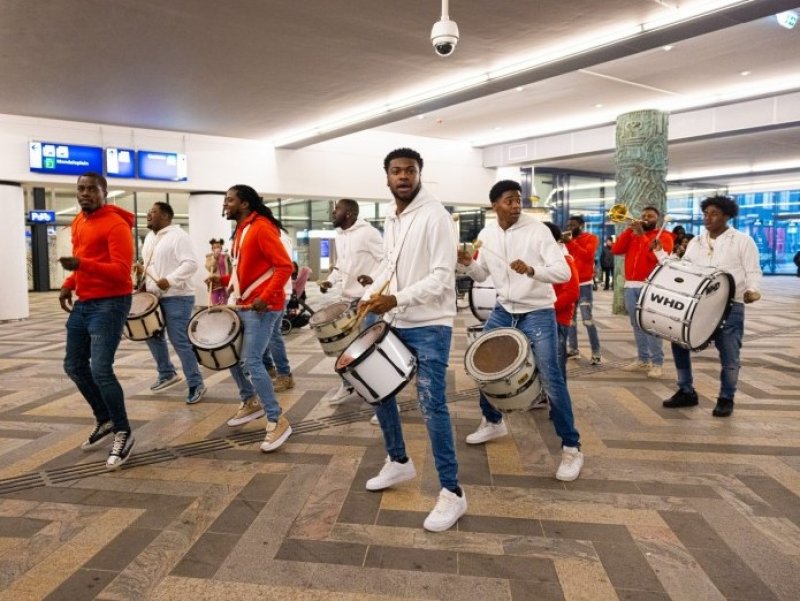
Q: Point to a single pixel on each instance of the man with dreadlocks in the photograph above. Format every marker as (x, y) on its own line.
(261, 268)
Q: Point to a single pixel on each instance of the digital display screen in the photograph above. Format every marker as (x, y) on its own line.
(120, 162)
(166, 166)
(64, 159)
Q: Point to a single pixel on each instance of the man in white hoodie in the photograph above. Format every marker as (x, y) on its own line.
(523, 260)
(359, 252)
(419, 264)
(169, 266)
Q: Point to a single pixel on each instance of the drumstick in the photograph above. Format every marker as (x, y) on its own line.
(364, 309)
(667, 219)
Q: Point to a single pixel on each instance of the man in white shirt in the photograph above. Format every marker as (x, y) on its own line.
(169, 264)
(736, 253)
(359, 252)
(524, 261)
(419, 266)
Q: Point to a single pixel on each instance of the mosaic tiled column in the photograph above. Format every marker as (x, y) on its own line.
(641, 161)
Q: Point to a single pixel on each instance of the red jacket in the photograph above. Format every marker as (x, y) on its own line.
(583, 249)
(103, 242)
(639, 259)
(261, 251)
(567, 294)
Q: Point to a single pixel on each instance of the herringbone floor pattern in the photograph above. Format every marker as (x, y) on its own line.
(671, 504)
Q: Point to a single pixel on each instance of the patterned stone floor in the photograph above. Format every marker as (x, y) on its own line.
(670, 505)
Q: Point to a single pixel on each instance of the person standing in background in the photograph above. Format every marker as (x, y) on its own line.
(583, 248)
(607, 263)
(101, 261)
(218, 262)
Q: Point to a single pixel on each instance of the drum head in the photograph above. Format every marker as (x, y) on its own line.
(215, 327)
(328, 313)
(142, 303)
(497, 354)
(362, 344)
(712, 308)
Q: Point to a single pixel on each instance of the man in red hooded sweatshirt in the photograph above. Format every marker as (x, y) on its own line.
(102, 256)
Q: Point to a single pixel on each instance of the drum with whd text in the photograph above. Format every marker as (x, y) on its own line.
(145, 319)
(215, 334)
(502, 364)
(685, 303)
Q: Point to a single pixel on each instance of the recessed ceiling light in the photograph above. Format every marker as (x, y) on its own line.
(420, 116)
(497, 128)
(744, 73)
(667, 48)
(598, 106)
(520, 88)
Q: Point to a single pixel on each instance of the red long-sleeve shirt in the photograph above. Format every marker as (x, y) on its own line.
(567, 294)
(260, 251)
(639, 259)
(103, 242)
(583, 249)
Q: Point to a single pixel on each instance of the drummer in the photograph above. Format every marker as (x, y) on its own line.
(419, 267)
(736, 253)
(168, 265)
(261, 269)
(359, 251)
(523, 259)
(102, 255)
(634, 243)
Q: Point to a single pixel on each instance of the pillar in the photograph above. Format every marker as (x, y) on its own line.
(13, 267)
(206, 222)
(641, 164)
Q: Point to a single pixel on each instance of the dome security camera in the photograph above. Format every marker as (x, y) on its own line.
(444, 36)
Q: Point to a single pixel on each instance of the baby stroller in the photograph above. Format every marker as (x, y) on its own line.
(298, 313)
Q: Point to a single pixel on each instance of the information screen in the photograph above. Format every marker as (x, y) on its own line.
(120, 162)
(167, 166)
(64, 159)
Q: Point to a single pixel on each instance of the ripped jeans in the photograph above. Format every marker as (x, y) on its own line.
(431, 345)
(584, 306)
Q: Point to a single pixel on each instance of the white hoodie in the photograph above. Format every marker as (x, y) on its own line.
(421, 243)
(359, 251)
(170, 254)
(531, 241)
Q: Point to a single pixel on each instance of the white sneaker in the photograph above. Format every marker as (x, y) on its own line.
(487, 431)
(654, 372)
(571, 464)
(340, 395)
(449, 507)
(637, 366)
(392, 473)
(374, 420)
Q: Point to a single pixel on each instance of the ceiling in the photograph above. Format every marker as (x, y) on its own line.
(266, 69)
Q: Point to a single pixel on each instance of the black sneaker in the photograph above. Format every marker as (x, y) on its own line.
(681, 399)
(724, 408)
(98, 435)
(123, 445)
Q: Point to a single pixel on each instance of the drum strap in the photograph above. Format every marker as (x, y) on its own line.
(237, 294)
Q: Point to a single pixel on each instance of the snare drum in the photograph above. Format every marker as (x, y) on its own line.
(482, 299)
(335, 327)
(145, 319)
(215, 334)
(377, 363)
(501, 363)
(685, 303)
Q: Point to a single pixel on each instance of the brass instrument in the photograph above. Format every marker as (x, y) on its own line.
(619, 213)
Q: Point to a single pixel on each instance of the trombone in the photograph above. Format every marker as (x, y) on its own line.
(619, 213)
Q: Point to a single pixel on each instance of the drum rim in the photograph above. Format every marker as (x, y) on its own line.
(508, 371)
(362, 357)
(725, 312)
(142, 293)
(322, 310)
(216, 309)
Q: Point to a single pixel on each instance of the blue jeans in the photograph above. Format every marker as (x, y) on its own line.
(541, 330)
(584, 306)
(648, 347)
(431, 345)
(177, 313)
(275, 355)
(250, 374)
(563, 334)
(728, 340)
(94, 329)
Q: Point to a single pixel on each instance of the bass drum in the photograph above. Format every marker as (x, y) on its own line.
(335, 327)
(685, 303)
(501, 363)
(145, 319)
(216, 336)
(377, 364)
